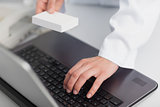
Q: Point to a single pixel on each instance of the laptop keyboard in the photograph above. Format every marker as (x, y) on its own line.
(52, 73)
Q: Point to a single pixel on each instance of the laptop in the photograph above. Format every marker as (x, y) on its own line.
(36, 70)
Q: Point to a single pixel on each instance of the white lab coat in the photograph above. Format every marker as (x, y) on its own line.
(114, 3)
(132, 26)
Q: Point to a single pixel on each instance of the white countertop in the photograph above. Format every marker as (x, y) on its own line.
(93, 28)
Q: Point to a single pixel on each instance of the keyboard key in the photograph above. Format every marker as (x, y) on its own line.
(98, 97)
(95, 103)
(64, 103)
(48, 65)
(27, 57)
(54, 82)
(91, 100)
(36, 57)
(59, 86)
(37, 70)
(55, 96)
(102, 93)
(48, 57)
(50, 72)
(69, 94)
(109, 105)
(103, 101)
(65, 70)
(59, 79)
(115, 101)
(75, 97)
(61, 82)
(57, 71)
(71, 101)
(47, 84)
(66, 98)
(51, 60)
(61, 67)
(80, 100)
(41, 66)
(62, 74)
(41, 73)
(101, 105)
(54, 76)
(45, 76)
(46, 69)
(53, 68)
(56, 91)
(60, 100)
(50, 79)
(57, 63)
(51, 87)
(108, 96)
(86, 104)
(77, 105)
(68, 105)
(42, 79)
(63, 90)
(61, 94)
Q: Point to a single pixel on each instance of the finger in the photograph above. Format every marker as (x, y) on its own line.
(41, 6)
(51, 6)
(38, 7)
(82, 79)
(82, 62)
(97, 83)
(74, 68)
(45, 1)
(39, 11)
(74, 77)
(59, 4)
(79, 64)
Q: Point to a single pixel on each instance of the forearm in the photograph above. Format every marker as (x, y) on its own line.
(132, 26)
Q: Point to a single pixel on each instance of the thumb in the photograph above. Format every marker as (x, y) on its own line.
(51, 6)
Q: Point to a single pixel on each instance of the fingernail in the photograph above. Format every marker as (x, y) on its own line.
(75, 92)
(68, 91)
(89, 95)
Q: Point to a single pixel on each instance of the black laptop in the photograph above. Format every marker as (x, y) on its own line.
(51, 55)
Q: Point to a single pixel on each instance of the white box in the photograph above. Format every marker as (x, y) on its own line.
(57, 21)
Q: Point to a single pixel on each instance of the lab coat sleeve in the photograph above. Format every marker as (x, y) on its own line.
(131, 26)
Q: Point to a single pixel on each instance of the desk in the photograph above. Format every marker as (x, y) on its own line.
(93, 28)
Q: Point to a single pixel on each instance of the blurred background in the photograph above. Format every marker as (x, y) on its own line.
(94, 15)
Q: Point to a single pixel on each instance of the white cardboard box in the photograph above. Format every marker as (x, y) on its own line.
(57, 21)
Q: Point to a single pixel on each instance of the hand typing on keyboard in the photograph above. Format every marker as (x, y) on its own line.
(98, 67)
(52, 73)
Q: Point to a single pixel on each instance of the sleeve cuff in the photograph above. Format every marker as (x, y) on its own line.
(115, 50)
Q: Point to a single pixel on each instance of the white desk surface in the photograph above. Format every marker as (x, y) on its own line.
(93, 28)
